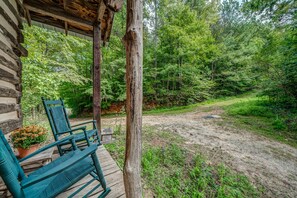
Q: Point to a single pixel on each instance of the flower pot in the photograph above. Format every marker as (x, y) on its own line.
(24, 152)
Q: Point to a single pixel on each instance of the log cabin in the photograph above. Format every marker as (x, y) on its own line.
(90, 19)
(75, 17)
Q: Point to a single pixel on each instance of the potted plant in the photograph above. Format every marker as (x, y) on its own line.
(28, 139)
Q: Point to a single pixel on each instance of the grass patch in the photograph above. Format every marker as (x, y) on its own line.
(181, 109)
(261, 116)
(170, 169)
(218, 102)
(258, 108)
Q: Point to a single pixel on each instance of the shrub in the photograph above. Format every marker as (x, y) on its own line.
(251, 108)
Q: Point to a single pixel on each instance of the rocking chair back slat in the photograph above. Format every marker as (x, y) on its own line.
(8, 155)
(59, 116)
(53, 102)
(10, 170)
(56, 113)
(7, 173)
(47, 104)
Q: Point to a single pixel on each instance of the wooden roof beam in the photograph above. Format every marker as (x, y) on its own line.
(109, 25)
(57, 13)
(28, 17)
(114, 5)
(100, 10)
(59, 25)
(20, 7)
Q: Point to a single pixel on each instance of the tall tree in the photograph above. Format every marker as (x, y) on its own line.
(278, 56)
(234, 69)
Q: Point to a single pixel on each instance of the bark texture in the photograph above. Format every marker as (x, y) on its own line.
(134, 64)
(97, 76)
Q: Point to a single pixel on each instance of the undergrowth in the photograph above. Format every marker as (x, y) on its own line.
(265, 118)
(172, 171)
(169, 169)
(193, 107)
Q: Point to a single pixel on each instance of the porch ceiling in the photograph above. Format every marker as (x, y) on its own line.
(77, 16)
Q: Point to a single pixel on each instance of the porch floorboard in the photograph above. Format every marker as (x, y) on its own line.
(113, 176)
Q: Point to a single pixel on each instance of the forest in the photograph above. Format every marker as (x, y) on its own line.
(194, 50)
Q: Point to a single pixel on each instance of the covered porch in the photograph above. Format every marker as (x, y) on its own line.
(91, 20)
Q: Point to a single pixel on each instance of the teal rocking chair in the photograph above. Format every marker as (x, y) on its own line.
(53, 178)
(60, 125)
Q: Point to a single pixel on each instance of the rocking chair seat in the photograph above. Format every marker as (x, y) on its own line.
(81, 136)
(52, 186)
(53, 164)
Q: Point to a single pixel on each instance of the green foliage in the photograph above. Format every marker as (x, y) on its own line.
(265, 117)
(234, 69)
(281, 81)
(49, 65)
(251, 108)
(279, 124)
(170, 170)
(60, 66)
(176, 71)
(276, 11)
(277, 57)
(117, 148)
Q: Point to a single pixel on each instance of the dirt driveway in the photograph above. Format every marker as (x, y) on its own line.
(266, 162)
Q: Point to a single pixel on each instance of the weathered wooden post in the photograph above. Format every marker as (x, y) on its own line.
(97, 75)
(134, 61)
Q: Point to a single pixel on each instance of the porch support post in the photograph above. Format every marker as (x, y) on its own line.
(97, 75)
(134, 63)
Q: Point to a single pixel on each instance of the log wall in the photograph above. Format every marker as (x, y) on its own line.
(10, 65)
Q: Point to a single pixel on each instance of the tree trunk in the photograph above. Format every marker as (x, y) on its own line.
(155, 47)
(97, 76)
(212, 71)
(33, 112)
(168, 81)
(134, 64)
(180, 73)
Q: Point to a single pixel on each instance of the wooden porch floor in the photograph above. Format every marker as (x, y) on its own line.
(113, 176)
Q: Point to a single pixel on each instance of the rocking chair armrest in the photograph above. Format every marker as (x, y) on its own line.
(68, 138)
(72, 130)
(83, 123)
(79, 155)
(87, 137)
